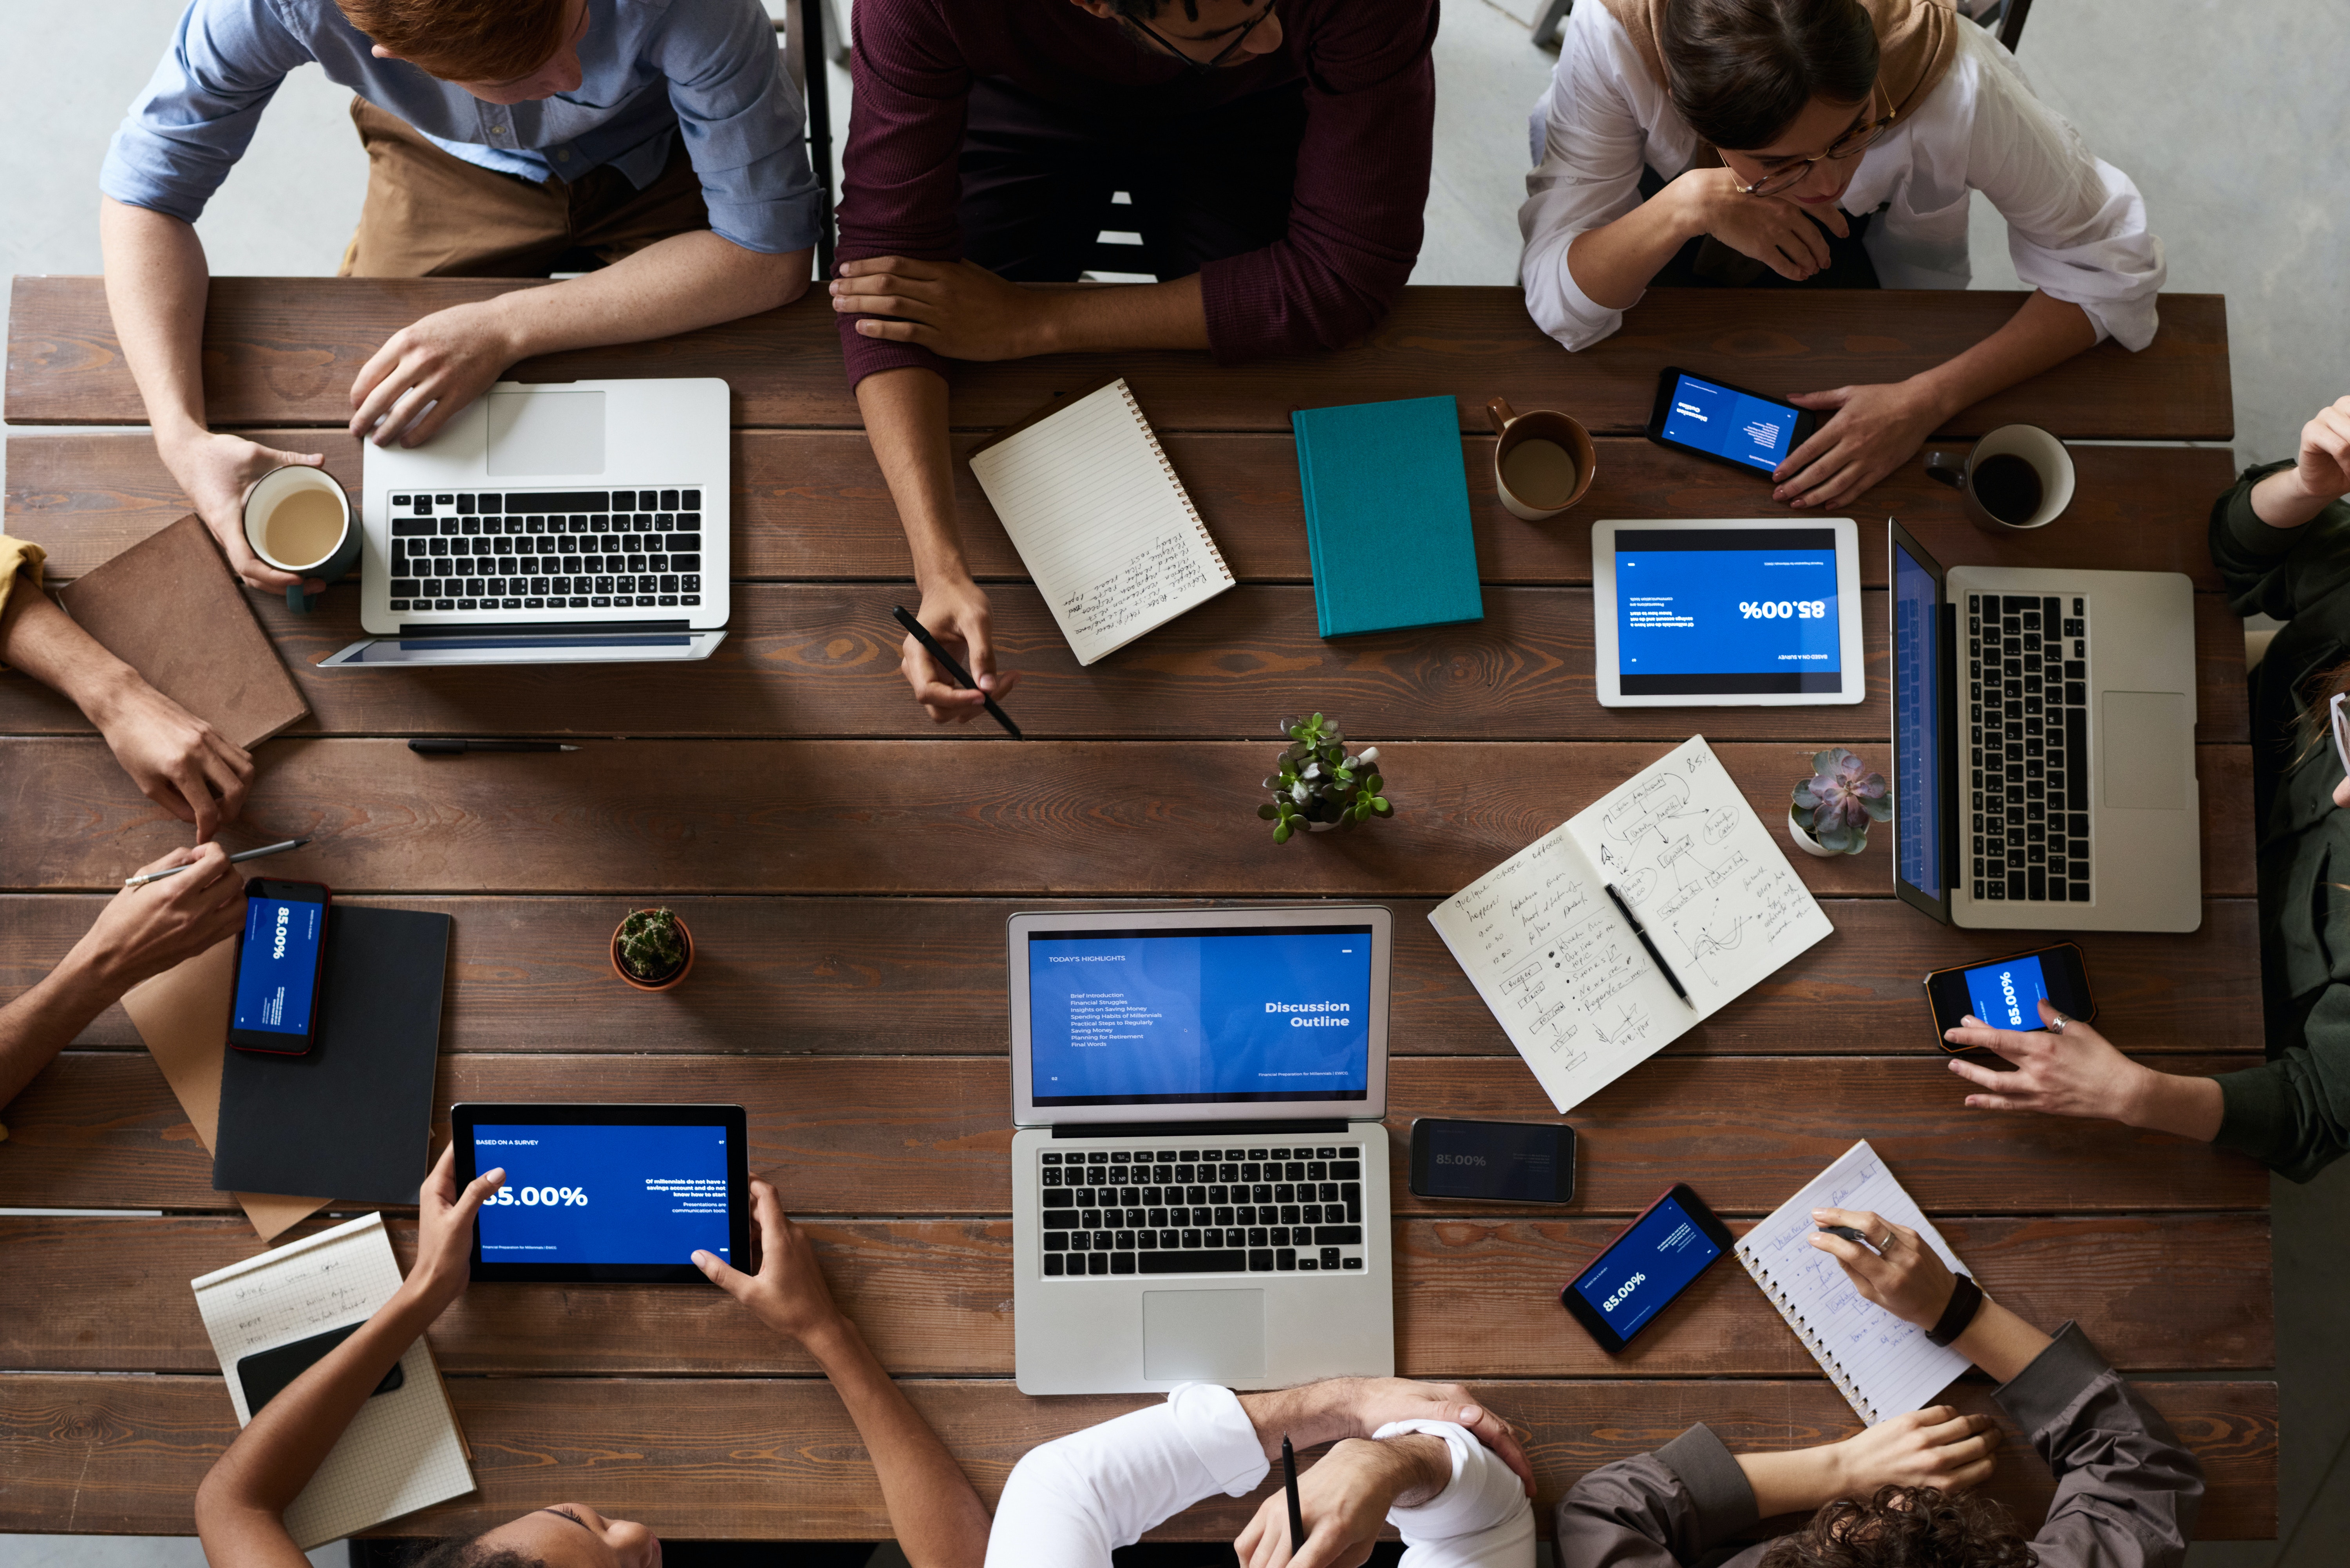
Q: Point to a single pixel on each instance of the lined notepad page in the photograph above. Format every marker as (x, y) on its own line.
(1101, 522)
(1882, 1365)
(402, 1451)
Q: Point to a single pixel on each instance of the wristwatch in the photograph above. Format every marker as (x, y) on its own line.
(1966, 1300)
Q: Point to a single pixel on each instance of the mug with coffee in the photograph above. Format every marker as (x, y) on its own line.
(2017, 477)
(298, 520)
(1544, 461)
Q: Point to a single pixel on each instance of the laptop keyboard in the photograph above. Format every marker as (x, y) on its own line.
(2028, 713)
(545, 549)
(1263, 1210)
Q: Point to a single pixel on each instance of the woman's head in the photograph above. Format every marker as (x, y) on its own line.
(1906, 1527)
(562, 1535)
(1742, 72)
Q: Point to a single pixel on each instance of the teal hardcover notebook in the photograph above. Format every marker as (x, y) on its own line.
(1387, 515)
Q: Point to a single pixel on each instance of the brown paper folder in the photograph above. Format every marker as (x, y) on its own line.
(183, 1015)
(168, 607)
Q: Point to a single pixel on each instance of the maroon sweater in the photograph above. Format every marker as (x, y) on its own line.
(1362, 168)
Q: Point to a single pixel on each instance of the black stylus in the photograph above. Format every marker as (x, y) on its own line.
(1647, 942)
(955, 672)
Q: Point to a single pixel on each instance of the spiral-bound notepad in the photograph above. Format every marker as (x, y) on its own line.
(1882, 1365)
(1100, 521)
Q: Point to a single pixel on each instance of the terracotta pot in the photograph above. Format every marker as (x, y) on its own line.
(683, 969)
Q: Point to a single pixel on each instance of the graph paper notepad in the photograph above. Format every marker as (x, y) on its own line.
(402, 1452)
(1882, 1365)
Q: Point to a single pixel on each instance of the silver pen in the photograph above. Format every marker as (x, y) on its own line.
(241, 855)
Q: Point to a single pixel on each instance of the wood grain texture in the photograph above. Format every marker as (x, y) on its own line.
(973, 814)
(1473, 1299)
(810, 504)
(837, 976)
(927, 1134)
(286, 350)
(779, 1460)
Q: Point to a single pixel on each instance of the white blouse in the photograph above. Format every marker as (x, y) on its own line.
(2075, 224)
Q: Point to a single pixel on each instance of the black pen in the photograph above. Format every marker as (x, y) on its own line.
(437, 747)
(1847, 1232)
(956, 672)
(1649, 942)
(1289, 1480)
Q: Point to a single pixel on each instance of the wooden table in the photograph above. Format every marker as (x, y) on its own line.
(847, 870)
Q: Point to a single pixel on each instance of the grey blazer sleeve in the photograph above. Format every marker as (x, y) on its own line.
(1655, 1510)
(2127, 1489)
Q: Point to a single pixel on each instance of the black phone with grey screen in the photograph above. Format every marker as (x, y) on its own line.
(1495, 1162)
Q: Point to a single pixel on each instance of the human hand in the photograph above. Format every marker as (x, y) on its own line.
(445, 1229)
(428, 370)
(1935, 1447)
(146, 929)
(215, 470)
(1375, 1402)
(1874, 430)
(178, 760)
(1904, 1275)
(2321, 468)
(2076, 1071)
(1783, 235)
(1343, 1500)
(959, 309)
(788, 1292)
(956, 613)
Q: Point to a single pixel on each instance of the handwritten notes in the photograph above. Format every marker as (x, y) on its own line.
(1101, 522)
(1882, 1365)
(1562, 968)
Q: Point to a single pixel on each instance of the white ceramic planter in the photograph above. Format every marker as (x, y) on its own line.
(1805, 841)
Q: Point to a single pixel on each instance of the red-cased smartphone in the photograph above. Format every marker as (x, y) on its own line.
(279, 967)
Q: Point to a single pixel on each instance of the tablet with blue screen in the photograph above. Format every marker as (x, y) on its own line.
(1726, 612)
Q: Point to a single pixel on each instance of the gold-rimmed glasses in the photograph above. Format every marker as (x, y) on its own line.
(1851, 144)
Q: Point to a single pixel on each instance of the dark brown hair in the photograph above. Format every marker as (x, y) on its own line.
(464, 40)
(467, 1552)
(1906, 1527)
(1739, 71)
(1148, 10)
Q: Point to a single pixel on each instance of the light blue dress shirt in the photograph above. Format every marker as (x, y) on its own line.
(653, 69)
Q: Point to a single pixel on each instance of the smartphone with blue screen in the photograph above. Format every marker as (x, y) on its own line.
(1711, 419)
(2005, 992)
(1650, 1261)
(278, 967)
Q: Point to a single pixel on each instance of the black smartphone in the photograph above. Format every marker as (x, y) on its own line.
(2005, 992)
(1651, 1260)
(278, 967)
(1503, 1162)
(1729, 424)
(265, 1373)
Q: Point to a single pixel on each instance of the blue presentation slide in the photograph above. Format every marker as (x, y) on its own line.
(603, 1194)
(1730, 424)
(1917, 726)
(1758, 606)
(2007, 995)
(1129, 1016)
(277, 969)
(1633, 1279)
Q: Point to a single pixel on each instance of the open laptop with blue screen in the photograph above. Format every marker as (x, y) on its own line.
(1200, 1183)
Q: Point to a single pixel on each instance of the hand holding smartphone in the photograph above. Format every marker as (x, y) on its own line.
(1710, 419)
(2005, 992)
(278, 967)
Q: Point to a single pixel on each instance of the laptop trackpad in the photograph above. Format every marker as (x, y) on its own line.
(2148, 761)
(1204, 1337)
(539, 432)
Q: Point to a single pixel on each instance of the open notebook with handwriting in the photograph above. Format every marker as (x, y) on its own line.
(1882, 1365)
(1100, 520)
(1561, 968)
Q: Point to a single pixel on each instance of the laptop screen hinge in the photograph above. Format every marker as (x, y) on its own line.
(541, 629)
(1197, 1130)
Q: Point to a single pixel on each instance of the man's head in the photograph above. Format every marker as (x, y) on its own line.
(566, 1535)
(1204, 32)
(1906, 1527)
(501, 51)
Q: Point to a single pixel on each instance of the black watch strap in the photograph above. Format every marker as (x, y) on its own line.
(1966, 1300)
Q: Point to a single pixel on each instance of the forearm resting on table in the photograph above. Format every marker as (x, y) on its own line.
(156, 281)
(40, 640)
(1122, 316)
(937, 1517)
(2042, 334)
(681, 283)
(2175, 1103)
(45, 1020)
(905, 412)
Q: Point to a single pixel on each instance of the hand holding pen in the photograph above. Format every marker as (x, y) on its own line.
(933, 698)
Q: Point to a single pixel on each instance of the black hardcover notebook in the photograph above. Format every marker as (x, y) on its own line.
(353, 1117)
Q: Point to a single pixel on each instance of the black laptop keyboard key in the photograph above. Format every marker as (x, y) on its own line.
(404, 588)
(1220, 1260)
(1338, 1236)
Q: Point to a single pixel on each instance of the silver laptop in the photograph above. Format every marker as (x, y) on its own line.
(2043, 746)
(1200, 1183)
(574, 521)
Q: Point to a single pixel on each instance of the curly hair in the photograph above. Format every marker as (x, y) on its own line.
(1906, 1527)
(467, 1552)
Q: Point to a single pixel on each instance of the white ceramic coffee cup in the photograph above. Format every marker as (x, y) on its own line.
(261, 503)
(2048, 457)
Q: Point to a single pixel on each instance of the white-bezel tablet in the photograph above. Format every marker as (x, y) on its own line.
(1793, 641)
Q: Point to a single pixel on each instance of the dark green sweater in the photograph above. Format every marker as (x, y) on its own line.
(2293, 1114)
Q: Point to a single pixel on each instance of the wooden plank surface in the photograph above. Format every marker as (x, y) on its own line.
(285, 351)
(1474, 1298)
(810, 504)
(778, 1459)
(1163, 819)
(927, 1134)
(836, 976)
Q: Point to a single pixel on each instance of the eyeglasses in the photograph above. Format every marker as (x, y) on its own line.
(1851, 144)
(2340, 730)
(1226, 53)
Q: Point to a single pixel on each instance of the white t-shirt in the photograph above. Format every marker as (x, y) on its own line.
(2075, 224)
(1069, 1503)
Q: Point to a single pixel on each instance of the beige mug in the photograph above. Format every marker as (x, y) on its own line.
(1544, 461)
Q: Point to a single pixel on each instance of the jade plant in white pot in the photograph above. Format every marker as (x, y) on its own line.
(1317, 785)
(1830, 811)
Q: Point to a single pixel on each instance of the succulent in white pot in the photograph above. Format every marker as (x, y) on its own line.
(1830, 812)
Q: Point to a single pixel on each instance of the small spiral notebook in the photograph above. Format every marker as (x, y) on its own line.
(1883, 1366)
(1100, 519)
